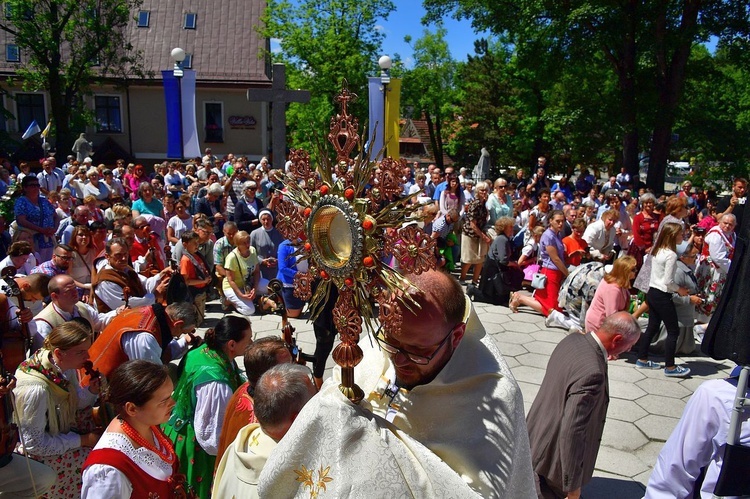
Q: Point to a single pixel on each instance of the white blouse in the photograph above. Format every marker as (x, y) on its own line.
(107, 482)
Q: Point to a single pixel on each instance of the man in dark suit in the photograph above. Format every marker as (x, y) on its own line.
(567, 417)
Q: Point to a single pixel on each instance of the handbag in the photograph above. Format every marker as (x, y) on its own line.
(539, 281)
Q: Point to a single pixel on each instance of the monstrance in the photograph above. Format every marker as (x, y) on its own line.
(347, 218)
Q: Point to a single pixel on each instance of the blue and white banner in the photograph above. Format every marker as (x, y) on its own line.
(32, 130)
(376, 123)
(182, 93)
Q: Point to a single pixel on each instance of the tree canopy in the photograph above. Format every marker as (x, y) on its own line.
(70, 45)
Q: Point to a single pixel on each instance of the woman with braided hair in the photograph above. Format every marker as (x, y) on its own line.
(208, 378)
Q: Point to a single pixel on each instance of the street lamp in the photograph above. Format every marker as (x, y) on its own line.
(385, 64)
(178, 55)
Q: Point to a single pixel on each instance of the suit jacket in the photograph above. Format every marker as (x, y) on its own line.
(203, 205)
(567, 417)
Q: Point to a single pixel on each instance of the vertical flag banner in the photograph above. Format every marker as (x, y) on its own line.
(33, 130)
(184, 101)
(377, 118)
(392, 116)
(172, 100)
(191, 144)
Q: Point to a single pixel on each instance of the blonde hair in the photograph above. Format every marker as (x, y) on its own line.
(241, 237)
(620, 273)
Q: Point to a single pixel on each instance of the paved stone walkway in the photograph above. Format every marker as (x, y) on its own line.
(644, 404)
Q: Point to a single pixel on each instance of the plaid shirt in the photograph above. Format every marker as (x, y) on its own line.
(48, 268)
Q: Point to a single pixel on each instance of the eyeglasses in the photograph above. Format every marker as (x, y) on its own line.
(500, 187)
(64, 258)
(417, 359)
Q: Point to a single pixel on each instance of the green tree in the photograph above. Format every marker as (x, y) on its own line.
(322, 43)
(71, 45)
(428, 89)
(627, 34)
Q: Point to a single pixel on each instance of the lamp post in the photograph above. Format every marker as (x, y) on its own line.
(178, 55)
(385, 64)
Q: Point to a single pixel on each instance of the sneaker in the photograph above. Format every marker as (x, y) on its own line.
(649, 364)
(677, 372)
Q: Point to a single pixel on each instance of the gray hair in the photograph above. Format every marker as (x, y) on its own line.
(621, 323)
(215, 189)
(183, 311)
(731, 216)
(250, 184)
(281, 392)
(647, 198)
(92, 171)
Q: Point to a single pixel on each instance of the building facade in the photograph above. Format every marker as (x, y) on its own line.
(222, 45)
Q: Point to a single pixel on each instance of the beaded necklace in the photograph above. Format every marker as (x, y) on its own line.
(167, 455)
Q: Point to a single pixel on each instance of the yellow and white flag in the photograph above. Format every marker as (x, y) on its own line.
(46, 130)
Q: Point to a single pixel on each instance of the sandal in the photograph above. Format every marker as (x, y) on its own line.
(513, 303)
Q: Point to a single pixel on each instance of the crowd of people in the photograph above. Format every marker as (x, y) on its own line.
(113, 268)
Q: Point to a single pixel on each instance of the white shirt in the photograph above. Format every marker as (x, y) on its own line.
(663, 270)
(143, 346)
(717, 248)
(43, 328)
(111, 294)
(600, 240)
(698, 441)
(211, 403)
(49, 181)
(102, 481)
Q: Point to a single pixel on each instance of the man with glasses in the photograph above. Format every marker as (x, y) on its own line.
(440, 380)
(61, 258)
(116, 275)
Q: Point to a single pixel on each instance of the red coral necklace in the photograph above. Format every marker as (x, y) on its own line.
(167, 455)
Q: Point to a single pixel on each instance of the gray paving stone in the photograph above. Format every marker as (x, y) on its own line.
(540, 347)
(534, 360)
(529, 374)
(622, 435)
(509, 349)
(657, 427)
(625, 390)
(618, 462)
(521, 327)
(662, 406)
(620, 371)
(512, 362)
(648, 454)
(528, 390)
(666, 387)
(509, 336)
(527, 317)
(549, 335)
(624, 410)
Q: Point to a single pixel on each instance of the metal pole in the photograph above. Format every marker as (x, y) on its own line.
(385, 121)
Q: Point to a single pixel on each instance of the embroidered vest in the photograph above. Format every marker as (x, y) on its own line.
(130, 279)
(54, 319)
(107, 353)
(144, 485)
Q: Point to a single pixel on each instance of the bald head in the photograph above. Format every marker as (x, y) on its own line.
(58, 282)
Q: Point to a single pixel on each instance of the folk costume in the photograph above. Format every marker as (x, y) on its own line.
(116, 469)
(137, 333)
(48, 401)
(207, 380)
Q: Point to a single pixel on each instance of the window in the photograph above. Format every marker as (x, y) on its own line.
(30, 107)
(143, 18)
(8, 10)
(108, 116)
(12, 54)
(191, 19)
(214, 119)
(188, 62)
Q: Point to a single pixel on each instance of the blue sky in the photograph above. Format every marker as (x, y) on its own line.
(406, 20)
